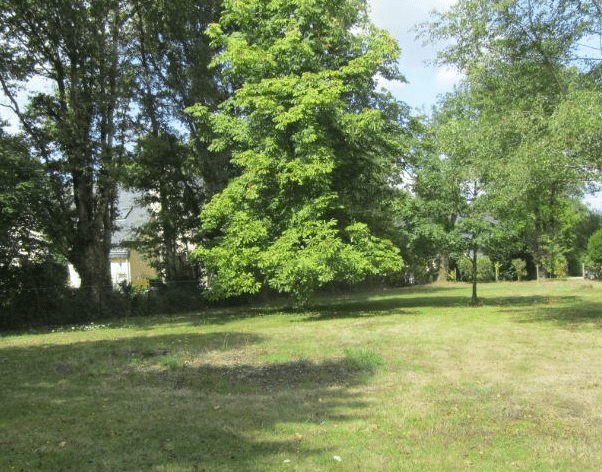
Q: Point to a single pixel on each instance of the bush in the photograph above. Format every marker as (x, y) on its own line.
(520, 268)
(485, 271)
(31, 291)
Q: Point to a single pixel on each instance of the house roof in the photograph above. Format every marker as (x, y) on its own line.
(131, 215)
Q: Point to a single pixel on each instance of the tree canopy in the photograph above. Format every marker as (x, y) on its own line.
(534, 111)
(318, 148)
(257, 132)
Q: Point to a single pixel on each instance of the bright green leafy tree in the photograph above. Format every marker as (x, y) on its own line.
(318, 148)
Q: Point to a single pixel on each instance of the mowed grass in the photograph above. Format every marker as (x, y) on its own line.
(410, 379)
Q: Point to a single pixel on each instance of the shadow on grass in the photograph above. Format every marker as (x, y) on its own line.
(366, 304)
(409, 304)
(522, 301)
(167, 403)
(566, 313)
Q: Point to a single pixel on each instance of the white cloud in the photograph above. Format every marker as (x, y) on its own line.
(446, 78)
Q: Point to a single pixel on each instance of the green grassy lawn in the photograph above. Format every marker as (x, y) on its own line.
(410, 379)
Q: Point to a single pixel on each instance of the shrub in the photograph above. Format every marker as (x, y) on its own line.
(484, 268)
(30, 293)
(520, 268)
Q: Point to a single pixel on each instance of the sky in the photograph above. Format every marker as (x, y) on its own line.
(425, 82)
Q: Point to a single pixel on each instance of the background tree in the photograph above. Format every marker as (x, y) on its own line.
(594, 253)
(77, 129)
(319, 150)
(587, 222)
(30, 269)
(24, 203)
(434, 211)
(516, 56)
(165, 171)
(519, 267)
(171, 168)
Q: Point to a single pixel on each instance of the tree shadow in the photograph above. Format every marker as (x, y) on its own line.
(409, 305)
(567, 312)
(366, 304)
(176, 402)
(520, 302)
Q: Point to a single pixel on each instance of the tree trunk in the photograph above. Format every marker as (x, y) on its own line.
(443, 267)
(93, 266)
(474, 299)
(92, 241)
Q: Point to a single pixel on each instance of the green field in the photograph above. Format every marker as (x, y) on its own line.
(409, 379)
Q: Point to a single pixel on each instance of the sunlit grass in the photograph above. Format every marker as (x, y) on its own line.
(409, 379)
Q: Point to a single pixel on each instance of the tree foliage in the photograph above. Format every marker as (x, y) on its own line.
(25, 206)
(318, 148)
(29, 260)
(534, 117)
(76, 128)
(170, 166)
(115, 73)
(594, 252)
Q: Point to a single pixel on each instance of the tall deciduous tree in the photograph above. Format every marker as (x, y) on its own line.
(319, 150)
(530, 105)
(171, 167)
(77, 128)
(164, 170)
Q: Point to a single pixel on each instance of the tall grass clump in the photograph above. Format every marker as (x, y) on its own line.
(362, 359)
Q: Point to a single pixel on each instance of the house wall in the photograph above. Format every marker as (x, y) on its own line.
(140, 270)
(120, 271)
(131, 267)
